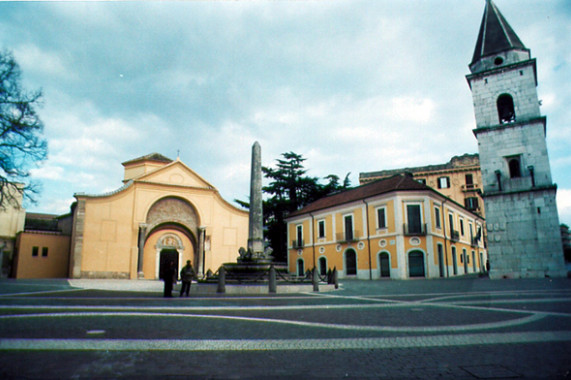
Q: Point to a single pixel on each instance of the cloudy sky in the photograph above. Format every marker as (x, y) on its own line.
(353, 86)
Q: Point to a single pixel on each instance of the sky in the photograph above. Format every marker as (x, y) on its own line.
(353, 86)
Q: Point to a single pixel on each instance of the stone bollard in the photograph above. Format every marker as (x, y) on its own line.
(221, 281)
(273, 280)
(335, 278)
(315, 280)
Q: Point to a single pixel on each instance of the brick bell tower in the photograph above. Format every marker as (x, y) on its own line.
(519, 196)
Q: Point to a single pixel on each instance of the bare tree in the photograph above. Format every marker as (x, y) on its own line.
(22, 144)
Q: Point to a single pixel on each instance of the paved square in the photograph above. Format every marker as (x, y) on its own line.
(464, 328)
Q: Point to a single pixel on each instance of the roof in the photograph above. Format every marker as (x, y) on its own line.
(496, 35)
(457, 162)
(400, 182)
(157, 157)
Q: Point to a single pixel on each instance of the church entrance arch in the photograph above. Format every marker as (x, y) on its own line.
(171, 230)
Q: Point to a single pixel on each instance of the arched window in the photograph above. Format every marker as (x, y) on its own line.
(506, 111)
(515, 167)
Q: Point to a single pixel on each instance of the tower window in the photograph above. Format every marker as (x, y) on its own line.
(498, 61)
(514, 165)
(506, 111)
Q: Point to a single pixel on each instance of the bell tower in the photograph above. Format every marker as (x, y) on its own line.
(519, 196)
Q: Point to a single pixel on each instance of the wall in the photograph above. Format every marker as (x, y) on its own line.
(54, 265)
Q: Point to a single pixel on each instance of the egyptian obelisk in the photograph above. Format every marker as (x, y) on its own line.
(255, 231)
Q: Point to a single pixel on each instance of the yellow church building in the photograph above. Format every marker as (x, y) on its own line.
(163, 212)
(395, 228)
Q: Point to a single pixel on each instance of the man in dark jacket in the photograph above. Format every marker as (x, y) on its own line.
(186, 276)
(169, 277)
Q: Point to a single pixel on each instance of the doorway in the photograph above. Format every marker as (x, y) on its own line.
(351, 262)
(416, 264)
(385, 264)
(167, 255)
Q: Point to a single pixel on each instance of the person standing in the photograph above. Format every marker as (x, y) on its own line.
(186, 276)
(169, 277)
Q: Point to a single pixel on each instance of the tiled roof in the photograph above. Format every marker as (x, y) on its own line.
(401, 182)
(149, 157)
(496, 35)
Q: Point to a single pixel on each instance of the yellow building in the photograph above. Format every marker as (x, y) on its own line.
(459, 179)
(12, 216)
(392, 228)
(164, 212)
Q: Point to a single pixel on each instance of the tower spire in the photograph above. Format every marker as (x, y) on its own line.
(496, 37)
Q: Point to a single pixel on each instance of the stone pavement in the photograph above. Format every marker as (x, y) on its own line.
(466, 328)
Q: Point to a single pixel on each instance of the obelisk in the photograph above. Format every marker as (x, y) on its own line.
(255, 231)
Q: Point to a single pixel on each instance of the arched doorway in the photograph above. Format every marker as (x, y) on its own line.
(350, 262)
(170, 233)
(322, 266)
(416, 264)
(384, 264)
(300, 268)
(454, 261)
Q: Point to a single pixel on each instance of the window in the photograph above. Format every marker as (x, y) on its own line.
(514, 166)
(35, 251)
(469, 181)
(381, 217)
(506, 111)
(462, 227)
(471, 203)
(348, 227)
(321, 228)
(414, 219)
(437, 217)
(299, 236)
(443, 182)
(451, 223)
(44, 251)
(422, 180)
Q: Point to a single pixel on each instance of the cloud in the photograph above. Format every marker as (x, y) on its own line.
(564, 205)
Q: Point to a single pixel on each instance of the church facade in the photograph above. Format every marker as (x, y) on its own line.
(519, 195)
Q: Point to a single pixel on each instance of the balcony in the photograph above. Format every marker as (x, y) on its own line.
(454, 235)
(474, 242)
(348, 237)
(414, 229)
(297, 244)
(470, 187)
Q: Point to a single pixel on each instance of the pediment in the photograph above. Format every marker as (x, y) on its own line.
(178, 174)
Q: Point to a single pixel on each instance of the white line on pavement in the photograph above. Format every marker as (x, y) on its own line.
(466, 327)
(283, 344)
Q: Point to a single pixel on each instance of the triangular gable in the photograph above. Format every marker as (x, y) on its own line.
(176, 173)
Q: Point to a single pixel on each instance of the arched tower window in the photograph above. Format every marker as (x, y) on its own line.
(506, 110)
(515, 167)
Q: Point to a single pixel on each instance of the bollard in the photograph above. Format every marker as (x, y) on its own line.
(315, 280)
(335, 278)
(221, 281)
(273, 280)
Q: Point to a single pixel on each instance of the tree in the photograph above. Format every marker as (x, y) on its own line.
(22, 144)
(290, 189)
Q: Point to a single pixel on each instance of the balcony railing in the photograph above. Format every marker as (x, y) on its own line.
(296, 244)
(414, 229)
(474, 242)
(454, 235)
(470, 187)
(347, 237)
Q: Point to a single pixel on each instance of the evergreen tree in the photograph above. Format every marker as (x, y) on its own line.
(289, 190)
